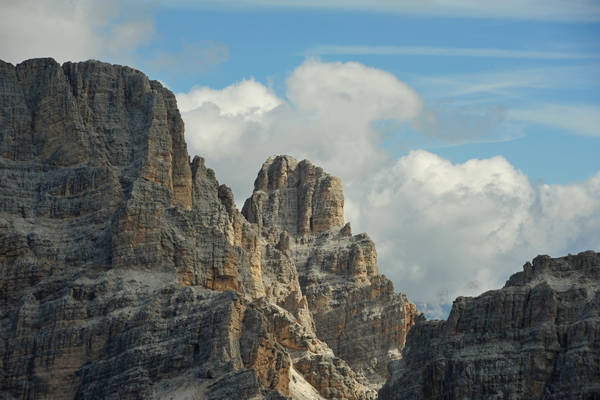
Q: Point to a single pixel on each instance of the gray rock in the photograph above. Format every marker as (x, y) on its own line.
(127, 272)
(353, 308)
(536, 338)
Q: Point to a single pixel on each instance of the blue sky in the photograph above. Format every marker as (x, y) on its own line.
(561, 61)
(466, 132)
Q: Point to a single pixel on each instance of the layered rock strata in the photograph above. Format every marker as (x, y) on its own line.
(536, 338)
(126, 270)
(299, 210)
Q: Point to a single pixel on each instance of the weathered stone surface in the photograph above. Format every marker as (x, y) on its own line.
(354, 310)
(127, 272)
(296, 197)
(536, 338)
(114, 249)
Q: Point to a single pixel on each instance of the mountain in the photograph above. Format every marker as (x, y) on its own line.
(126, 271)
(536, 338)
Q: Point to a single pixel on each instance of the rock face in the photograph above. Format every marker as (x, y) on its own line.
(296, 197)
(299, 210)
(126, 270)
(536, 338)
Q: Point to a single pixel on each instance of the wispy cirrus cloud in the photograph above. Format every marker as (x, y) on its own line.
(545, 10)
(448, 52)
(189, 57)
(509, 83)
(503, 105)
(581, 119)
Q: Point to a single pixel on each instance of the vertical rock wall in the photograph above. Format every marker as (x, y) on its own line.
(127, 272)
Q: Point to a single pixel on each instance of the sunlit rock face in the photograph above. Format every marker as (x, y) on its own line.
(536, 338)
(126, 270)
(299, 209)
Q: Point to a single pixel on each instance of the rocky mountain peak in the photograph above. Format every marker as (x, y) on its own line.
(127, 271)
(297, 197)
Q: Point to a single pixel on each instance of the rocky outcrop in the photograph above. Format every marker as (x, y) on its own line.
(296, 197)
(536, 338)
(126, 270)
(299, 210)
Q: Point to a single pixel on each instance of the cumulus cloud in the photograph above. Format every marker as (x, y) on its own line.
(353, 89)
(444, 230)
(71, 30)
(443, 224)
(328, 117)
(247, 98)
(441, 229)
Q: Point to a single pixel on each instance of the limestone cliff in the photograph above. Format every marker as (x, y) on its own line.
(536, 338)
(126, 270)
(300, 211)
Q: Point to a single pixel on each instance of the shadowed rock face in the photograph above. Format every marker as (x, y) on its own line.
(127, 272)
(536, 338)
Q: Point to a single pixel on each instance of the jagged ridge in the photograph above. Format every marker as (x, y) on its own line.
(536, 338)
(127, 272)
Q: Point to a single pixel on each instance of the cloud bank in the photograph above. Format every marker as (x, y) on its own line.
(110, 30)
(441, 229)
(71, 30)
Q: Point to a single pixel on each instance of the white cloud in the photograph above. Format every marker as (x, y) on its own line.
(70, 30)
(441, 229)
(559, 10)
(351, 89)
(444, 230)
(328, 118)
(246, 98)
(576, 119)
